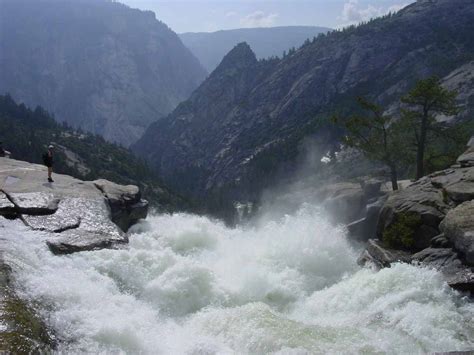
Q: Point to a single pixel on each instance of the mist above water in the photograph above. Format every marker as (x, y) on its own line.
(188, 284)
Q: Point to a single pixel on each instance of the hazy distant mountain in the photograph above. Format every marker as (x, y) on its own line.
(211, 47)
(248, 120)
(96, 64)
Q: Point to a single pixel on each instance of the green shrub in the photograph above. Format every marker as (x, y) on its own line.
(401, 233)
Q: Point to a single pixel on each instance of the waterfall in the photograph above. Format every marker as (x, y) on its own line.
(189, 284)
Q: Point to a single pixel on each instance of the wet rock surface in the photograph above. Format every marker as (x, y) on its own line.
(365, 228)
(380, 256)
(78, 215)
(344, 201)
(125, 202)
(458, 275)
(22, 331)
(35, 203)
(95, 230)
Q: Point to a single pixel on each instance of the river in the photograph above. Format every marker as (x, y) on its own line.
(190, 285)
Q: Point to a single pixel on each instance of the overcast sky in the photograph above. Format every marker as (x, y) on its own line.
(213, 15)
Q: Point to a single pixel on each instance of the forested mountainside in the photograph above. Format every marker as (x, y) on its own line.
(211, 47)
(27, 133)
(247, 120)
(96, 64)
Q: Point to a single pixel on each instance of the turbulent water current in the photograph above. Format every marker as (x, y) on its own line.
(189, 285)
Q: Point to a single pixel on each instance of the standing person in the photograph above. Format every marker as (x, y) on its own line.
(48, 161)
(4, 153)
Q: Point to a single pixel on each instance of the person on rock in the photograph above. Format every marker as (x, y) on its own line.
(4, 153)
(48, 161)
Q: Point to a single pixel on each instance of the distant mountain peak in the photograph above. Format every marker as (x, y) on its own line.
(241, 56)
(211, 47)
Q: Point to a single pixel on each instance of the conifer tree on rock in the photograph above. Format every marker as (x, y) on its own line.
(426, 100)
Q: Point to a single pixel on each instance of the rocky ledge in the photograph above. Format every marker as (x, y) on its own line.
(79, 215)
(430, 222)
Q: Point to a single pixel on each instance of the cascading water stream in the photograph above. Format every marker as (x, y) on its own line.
(188, 284)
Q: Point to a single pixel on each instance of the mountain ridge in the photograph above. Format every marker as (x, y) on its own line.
(211, 47)
(235, 138)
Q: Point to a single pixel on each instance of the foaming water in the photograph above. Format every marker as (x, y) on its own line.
(188, 284)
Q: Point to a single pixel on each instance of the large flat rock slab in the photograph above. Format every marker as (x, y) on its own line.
(35, 203)
(95, 230)
(22, 177)
(77, 240)
(66, 217)
(458, 184)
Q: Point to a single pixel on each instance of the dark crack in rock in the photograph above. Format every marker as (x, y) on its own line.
(7, 208)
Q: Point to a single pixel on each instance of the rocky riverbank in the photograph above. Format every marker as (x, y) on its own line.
(76, 215)
(430, 222)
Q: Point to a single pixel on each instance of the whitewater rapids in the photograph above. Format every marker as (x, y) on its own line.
(189, 285)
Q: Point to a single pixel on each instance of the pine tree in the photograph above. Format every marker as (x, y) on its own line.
(377, 136)
(426, 100)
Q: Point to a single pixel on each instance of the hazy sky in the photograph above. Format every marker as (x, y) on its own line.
(213, 15)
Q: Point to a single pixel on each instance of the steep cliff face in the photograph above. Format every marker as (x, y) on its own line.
(211, 47)
(98, 65)
(246, 121)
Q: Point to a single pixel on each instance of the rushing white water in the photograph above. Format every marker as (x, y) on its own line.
(187, 284)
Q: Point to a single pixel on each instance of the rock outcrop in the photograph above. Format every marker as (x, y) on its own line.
(422, 202)
(126, 205)
(79, 215)
(426, 202)
(467, 159)
(458, 227)
(432, 220)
